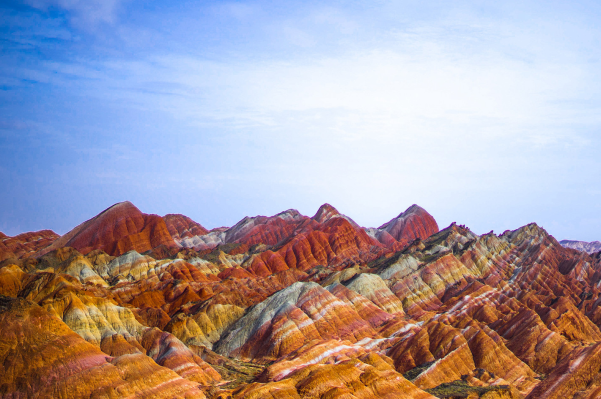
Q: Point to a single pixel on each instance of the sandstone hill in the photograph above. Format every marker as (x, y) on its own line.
(26, 244)
(129, 304)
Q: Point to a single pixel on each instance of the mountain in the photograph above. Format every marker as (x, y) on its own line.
(26, 244)
(329, 237)
(589, 247)
(42, 357)
(117, 230)
(181, 227)
(295, 306)
(414, 223)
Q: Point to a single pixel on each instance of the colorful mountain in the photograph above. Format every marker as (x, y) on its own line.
(26, 244)
(292, 306)
(117, 230)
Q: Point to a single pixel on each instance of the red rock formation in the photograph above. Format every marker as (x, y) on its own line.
(117, 230)
(331, 307)
(181, 226)
(365, 376)
(168, 351)
(26, 244)
(334, 242)
(294, 316)
(414, 223)
(577, 376)
(367, 309)
(328, 238)
(41, 357)
(265, 230)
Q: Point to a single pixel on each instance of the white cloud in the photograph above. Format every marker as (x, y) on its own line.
(383, 88)
(450, 113)
(444, 83)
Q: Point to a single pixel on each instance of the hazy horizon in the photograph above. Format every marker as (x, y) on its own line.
(485, 114)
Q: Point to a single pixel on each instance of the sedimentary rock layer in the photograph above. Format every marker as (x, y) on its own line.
(129, 304)
(41, 357)
(26, 244)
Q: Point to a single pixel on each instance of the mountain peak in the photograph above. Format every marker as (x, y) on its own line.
(116, 230)
(412, 210)
(325, 213)
(414, 222)
(181, 226)
(289, 214)
(119, 206)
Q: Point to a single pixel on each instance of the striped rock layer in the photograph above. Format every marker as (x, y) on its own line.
(135, 305)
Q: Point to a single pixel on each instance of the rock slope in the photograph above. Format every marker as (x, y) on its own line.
(129, 304)
(41, 357)
(26, 244)
(117, 230)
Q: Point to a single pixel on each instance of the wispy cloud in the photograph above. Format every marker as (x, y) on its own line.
(469, 111)
(83, 14)
(392, 89)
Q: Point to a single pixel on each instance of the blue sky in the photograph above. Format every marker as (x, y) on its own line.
(483, 113)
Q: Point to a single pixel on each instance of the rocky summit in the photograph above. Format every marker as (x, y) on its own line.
(136, 305)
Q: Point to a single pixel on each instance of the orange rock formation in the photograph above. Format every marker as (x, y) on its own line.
(298, 307)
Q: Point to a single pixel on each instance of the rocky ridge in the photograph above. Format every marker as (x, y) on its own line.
(300, 307)
(26, 244)
(588, 247)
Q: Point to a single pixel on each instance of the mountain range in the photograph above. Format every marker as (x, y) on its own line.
(129, 304)
(590, 247)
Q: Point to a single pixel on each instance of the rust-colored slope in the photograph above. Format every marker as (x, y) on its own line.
(265, 230)
(294, 316)
(354, 375)
(577, 376)
(117, 230)
(181, 226)
(331, 307)
(334, 242)
(41, 357)
(26, 244)
(414, 223)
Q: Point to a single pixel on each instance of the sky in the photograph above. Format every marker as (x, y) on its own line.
(484, 113)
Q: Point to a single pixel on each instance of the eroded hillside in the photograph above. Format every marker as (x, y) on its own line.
(135, 305)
